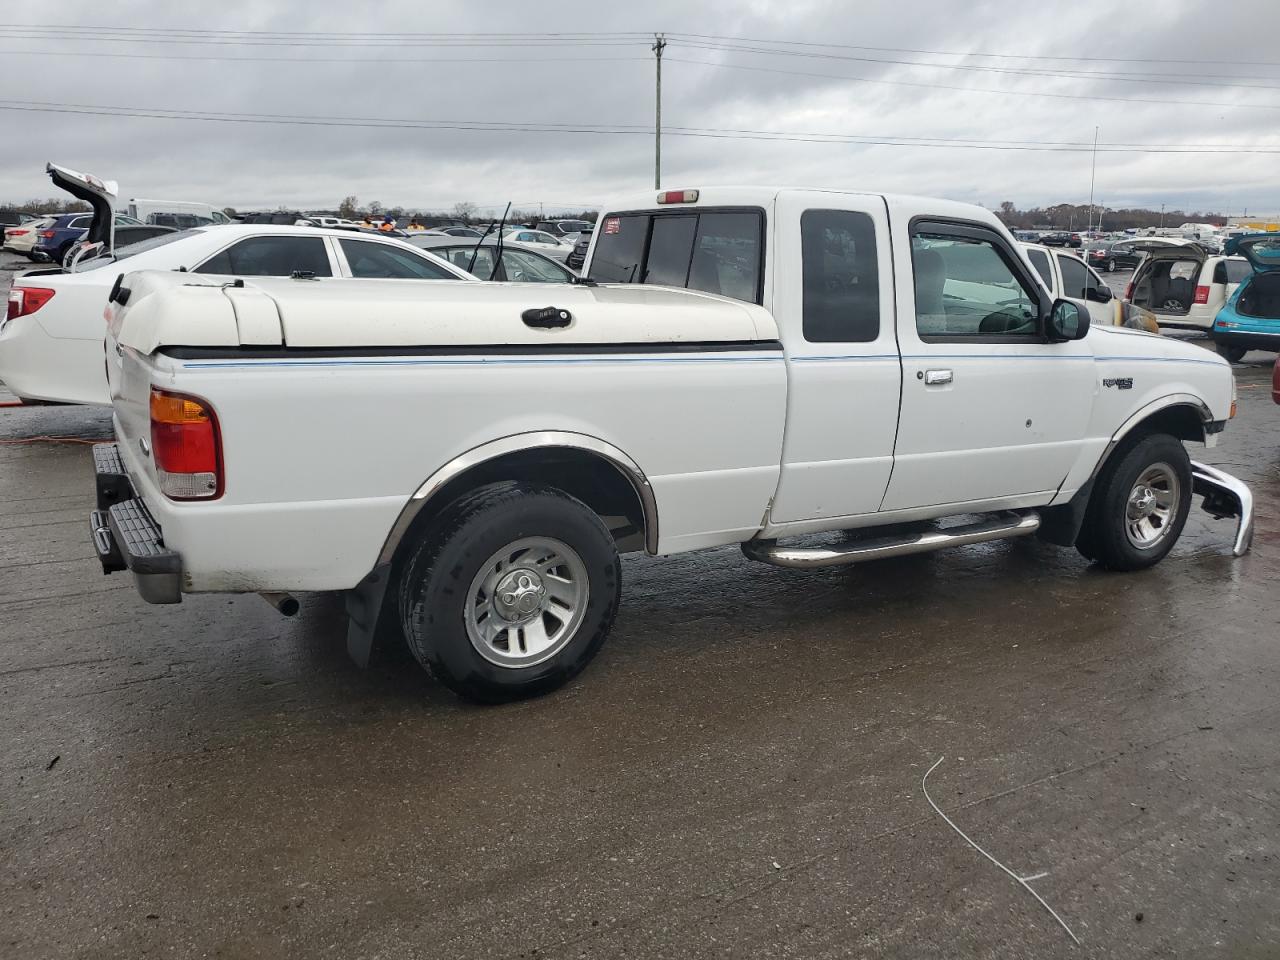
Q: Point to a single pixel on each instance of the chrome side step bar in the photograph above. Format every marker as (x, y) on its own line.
(1225, 496)
(999, 526)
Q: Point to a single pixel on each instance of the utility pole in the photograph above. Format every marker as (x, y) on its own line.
(1162, 216)
(1093, 175)
(659, 44)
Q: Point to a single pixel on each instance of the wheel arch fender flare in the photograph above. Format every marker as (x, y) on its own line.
(1183, 415)
(545, 440)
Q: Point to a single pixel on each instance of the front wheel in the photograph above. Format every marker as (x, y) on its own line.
(1111, 266)
(1233, 354)
(511, 592)
(1139, 506)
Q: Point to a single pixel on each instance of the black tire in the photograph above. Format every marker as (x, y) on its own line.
(450, 554)
(1104, 536)
(1233, 354)
(1111, 265)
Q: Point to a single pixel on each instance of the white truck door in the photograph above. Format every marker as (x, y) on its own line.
(992, 413)
(833, 300)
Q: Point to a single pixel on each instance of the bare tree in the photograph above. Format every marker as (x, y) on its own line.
(375, 208)
(349, 207)
(464, 211)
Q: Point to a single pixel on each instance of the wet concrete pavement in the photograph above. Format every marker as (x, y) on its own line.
(737, 774)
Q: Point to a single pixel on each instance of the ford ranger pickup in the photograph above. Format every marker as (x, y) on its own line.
(746, 366)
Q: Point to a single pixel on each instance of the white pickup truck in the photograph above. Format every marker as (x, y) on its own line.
(468, 461)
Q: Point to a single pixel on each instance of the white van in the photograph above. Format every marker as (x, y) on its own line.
(145, 210)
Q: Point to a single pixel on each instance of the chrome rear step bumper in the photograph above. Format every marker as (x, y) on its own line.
(1225, 496)
(1000, 526)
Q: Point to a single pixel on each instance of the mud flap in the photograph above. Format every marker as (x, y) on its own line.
(364, 607)
(1225, 496)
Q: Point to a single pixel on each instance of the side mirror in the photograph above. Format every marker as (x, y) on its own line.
(1067, 321)
(1100, 294)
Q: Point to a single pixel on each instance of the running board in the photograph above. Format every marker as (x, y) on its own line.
(998, 526)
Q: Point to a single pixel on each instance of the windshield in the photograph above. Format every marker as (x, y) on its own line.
(142, 246)
(575, 226)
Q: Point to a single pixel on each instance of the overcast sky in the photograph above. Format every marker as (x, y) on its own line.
(812, 91)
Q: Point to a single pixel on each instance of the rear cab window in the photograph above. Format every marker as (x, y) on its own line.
(709, 249)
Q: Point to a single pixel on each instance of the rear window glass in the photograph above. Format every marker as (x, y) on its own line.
(277, 256)
(671, 251)
(1232, 271)
(372, 260)
(841, 277)
(713, 251)
(123, 253)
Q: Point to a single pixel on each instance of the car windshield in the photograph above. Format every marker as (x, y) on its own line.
(142, 246)
(575, 226)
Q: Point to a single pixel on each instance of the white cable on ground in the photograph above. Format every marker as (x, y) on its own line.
(1021, 880)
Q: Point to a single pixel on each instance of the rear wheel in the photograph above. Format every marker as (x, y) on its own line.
(511, 592)
(1233, 354)
(1139, 505)
(1111, 265)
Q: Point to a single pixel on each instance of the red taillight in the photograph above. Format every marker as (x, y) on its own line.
(1202, 294)
(186, 446)
(678, 196)
(15, 233)
(47, 234)
(25, 300)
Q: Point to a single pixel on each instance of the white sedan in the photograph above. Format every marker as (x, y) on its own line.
(51, 341)
(539, 240)
(22, 238)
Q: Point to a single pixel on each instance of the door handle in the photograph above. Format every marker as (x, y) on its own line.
(934, 377)
(546, 317)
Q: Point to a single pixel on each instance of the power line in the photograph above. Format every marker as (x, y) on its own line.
(608, 129)
(1114, 77)
(986, 90)
(310, 60)
(970, 53)
(390, 43)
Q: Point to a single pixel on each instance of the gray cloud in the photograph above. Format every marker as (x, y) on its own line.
(264, 165)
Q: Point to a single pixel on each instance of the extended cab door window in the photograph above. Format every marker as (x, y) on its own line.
(967, 288)
(271, 257)
(369, 259)
(841, 298)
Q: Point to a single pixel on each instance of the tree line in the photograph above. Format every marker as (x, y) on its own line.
(51, 205)
(1072, 216)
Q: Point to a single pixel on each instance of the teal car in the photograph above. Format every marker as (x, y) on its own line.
(1250, 320)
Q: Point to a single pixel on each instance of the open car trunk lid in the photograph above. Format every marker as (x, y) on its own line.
(1262, 250)
(101, 197)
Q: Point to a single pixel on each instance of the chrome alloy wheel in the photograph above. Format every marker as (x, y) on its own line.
(526, 602)
(1152, 505)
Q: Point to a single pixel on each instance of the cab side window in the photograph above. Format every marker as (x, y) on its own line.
(841, 277)
(271, 257)
(966, 287)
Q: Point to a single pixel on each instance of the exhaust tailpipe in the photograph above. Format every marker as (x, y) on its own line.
(286, 603)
